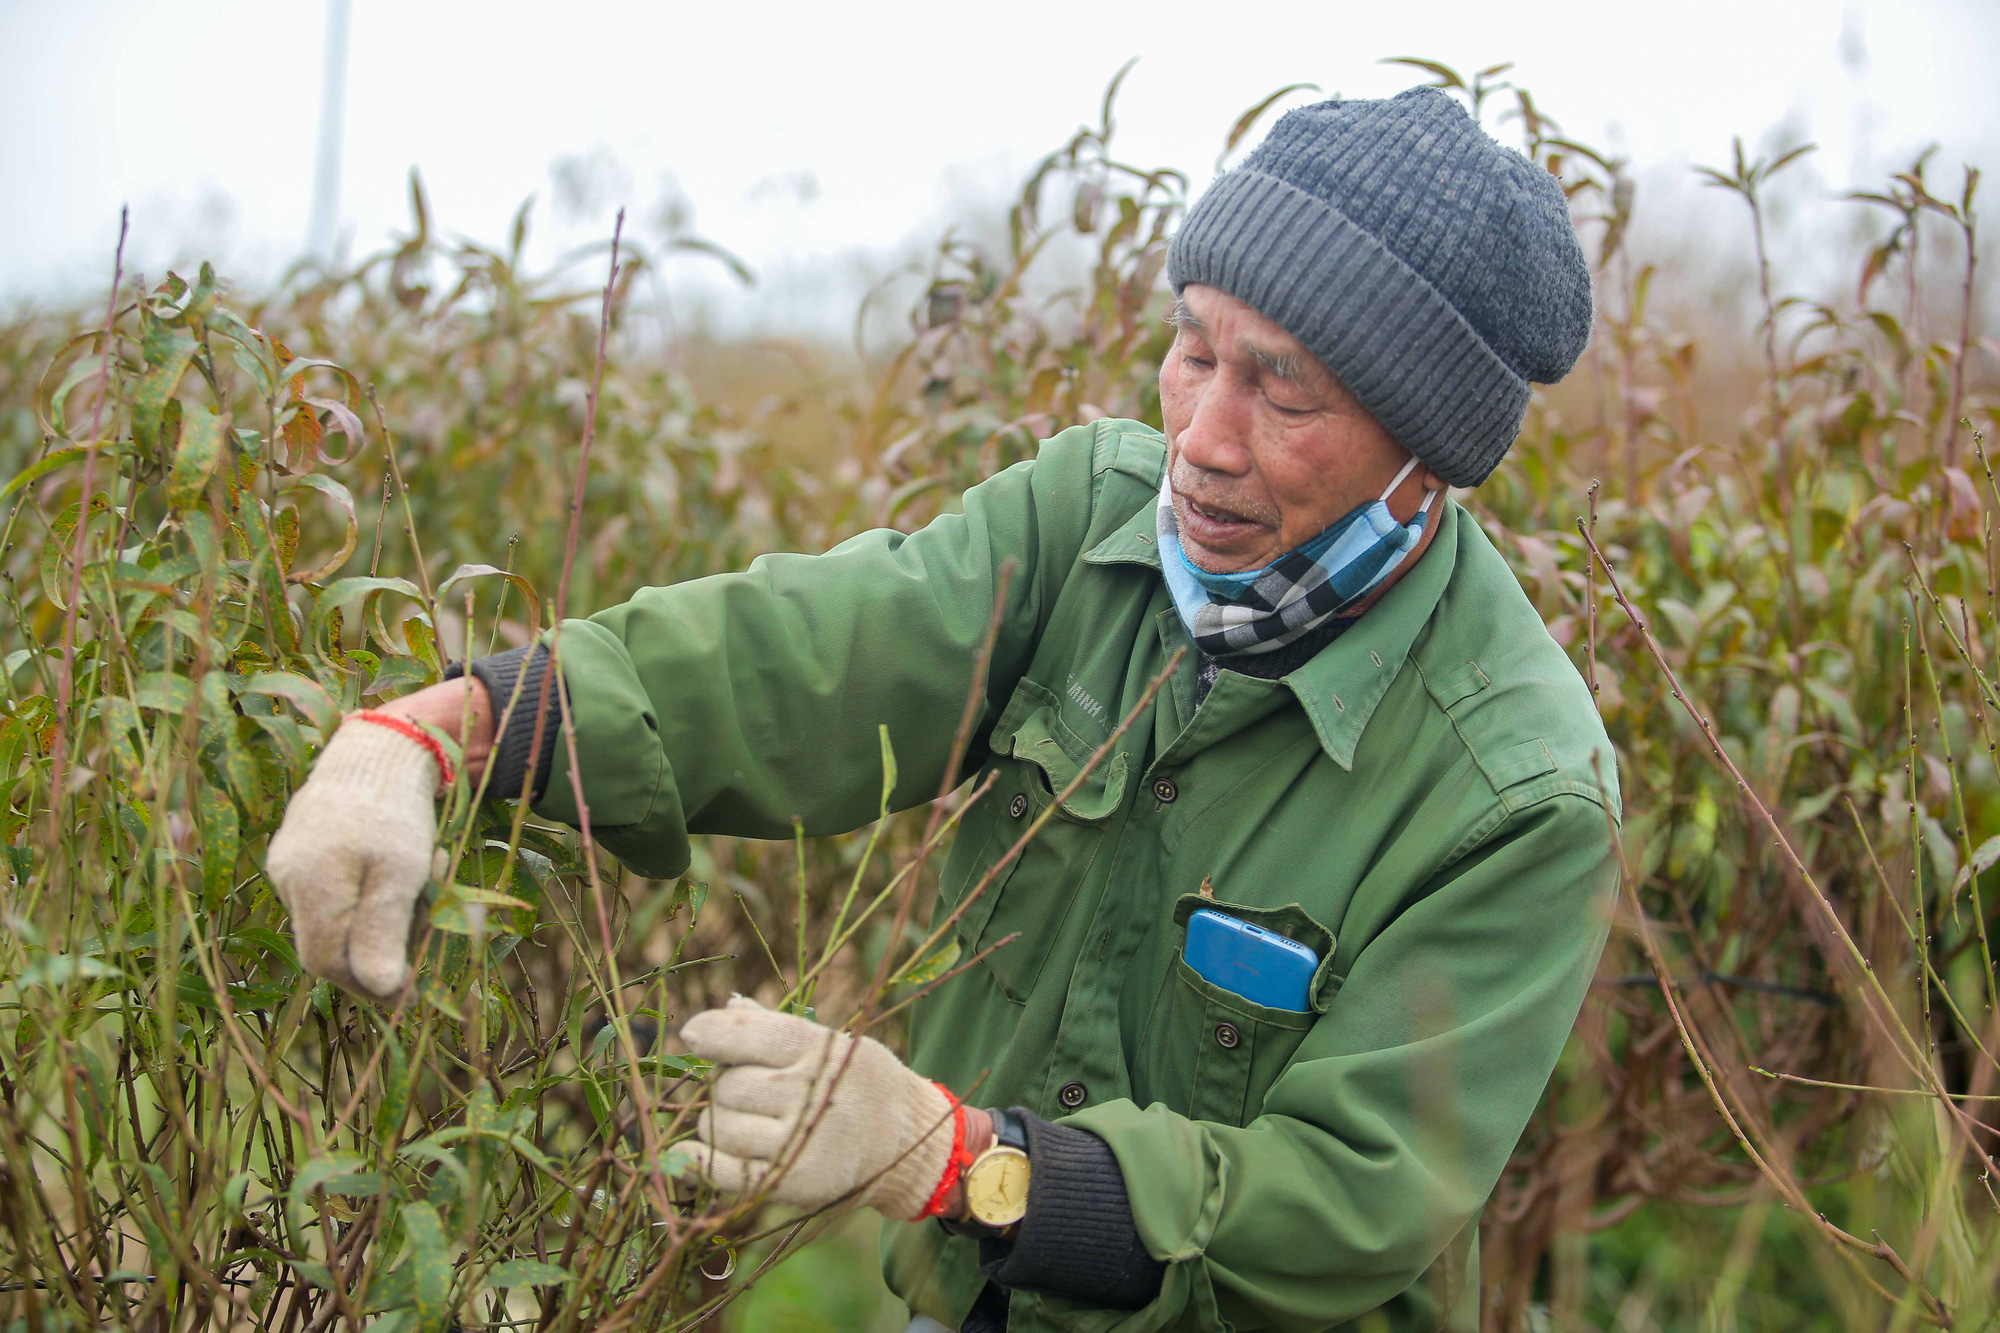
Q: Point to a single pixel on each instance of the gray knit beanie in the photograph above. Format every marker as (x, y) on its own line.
(1435, 272)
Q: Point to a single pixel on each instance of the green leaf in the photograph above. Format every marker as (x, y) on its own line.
(1249, 118)
(598, 1100)
(579, 1005)
(679, 1163)
(439, 997)
(430, 1151)
(121, 719)
(257, 941)
(164, 690)
(284, 538)
(221, 840)
(202, 434)
(61, 542)
(49, 462)
(342, 594)
(287, 739)
(461, 910)
(1814, 806)
(399, 675)
(168, 353)
(529, 1152)
(236, 1191)
(397, 1288)
(13, 744)
(201, 535)
(525, 1273)
(335, 1173)
(397, 1086)
(1983, 859)
(489, 897)
(1838, 706)
(1447, 77)
(664, 1066)
(422, 643)
(235, 764)
(231, 326)
(888, 768)
(53, 970)
(318, 1275)
(933, 967)
(308, 696)
(430, 1265)
(56, 421)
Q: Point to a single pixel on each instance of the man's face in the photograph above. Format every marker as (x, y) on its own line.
(1266, 449)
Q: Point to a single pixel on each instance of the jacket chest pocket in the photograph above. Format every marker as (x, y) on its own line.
(1210, 1054)
(1025, 891)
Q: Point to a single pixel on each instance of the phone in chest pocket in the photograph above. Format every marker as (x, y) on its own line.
(1260, 965)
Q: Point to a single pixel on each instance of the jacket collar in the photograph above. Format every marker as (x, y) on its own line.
(1340, 687)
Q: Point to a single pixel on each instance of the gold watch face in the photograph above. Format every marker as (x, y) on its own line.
(996, 1187)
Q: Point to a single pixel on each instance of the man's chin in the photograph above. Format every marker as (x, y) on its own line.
(1212, 561)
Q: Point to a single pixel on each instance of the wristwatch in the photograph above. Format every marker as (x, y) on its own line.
(996, 1184)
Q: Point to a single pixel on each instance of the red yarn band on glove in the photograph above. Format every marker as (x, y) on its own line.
(405, 727)
(954, 1165)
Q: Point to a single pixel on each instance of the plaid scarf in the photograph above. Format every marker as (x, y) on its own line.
(1262, 609)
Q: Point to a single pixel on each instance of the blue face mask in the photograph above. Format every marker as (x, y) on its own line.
(1260, 609)
(1364, 531)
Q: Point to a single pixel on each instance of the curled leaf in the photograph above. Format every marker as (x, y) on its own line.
(343, 500)
(515, 581)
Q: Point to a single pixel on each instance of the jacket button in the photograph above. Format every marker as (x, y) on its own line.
(1165, 791)
(1072, 1095)
(1227, 1037)
(1018, 806)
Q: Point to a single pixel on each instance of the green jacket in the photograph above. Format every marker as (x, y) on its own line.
(1427, 804)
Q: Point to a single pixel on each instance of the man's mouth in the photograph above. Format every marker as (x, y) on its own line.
(1211, 522)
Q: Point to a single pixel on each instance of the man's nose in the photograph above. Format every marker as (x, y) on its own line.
(1213, 438)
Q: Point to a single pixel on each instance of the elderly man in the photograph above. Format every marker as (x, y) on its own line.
(1295, 960)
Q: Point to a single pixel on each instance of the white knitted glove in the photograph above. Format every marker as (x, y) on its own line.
(884, 1135)
(353, 854)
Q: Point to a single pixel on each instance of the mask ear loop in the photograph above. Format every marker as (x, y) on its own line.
(1396, 481)
(1407, 538)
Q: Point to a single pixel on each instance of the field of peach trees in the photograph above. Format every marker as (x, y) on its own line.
(229, 514)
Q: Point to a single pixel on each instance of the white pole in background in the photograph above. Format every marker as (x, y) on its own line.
(332, 119)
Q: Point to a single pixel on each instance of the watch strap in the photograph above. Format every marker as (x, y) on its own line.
(1008, 1128)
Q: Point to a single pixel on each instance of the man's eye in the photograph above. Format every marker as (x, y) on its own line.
(1199, 362)
(1290, 411)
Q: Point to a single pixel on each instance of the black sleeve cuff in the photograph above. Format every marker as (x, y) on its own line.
(1078, 1238)
(516, 676)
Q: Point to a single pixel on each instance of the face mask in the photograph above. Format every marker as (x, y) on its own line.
(1261, 609)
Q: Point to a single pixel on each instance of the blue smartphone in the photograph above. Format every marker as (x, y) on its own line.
(1260, 965)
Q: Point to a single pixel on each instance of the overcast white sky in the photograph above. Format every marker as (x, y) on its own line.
(815, 138)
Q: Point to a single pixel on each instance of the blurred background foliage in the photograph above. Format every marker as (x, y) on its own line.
(1790, 487)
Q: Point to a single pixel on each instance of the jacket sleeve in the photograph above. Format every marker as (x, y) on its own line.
(733, 703)
(1381, 1141)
